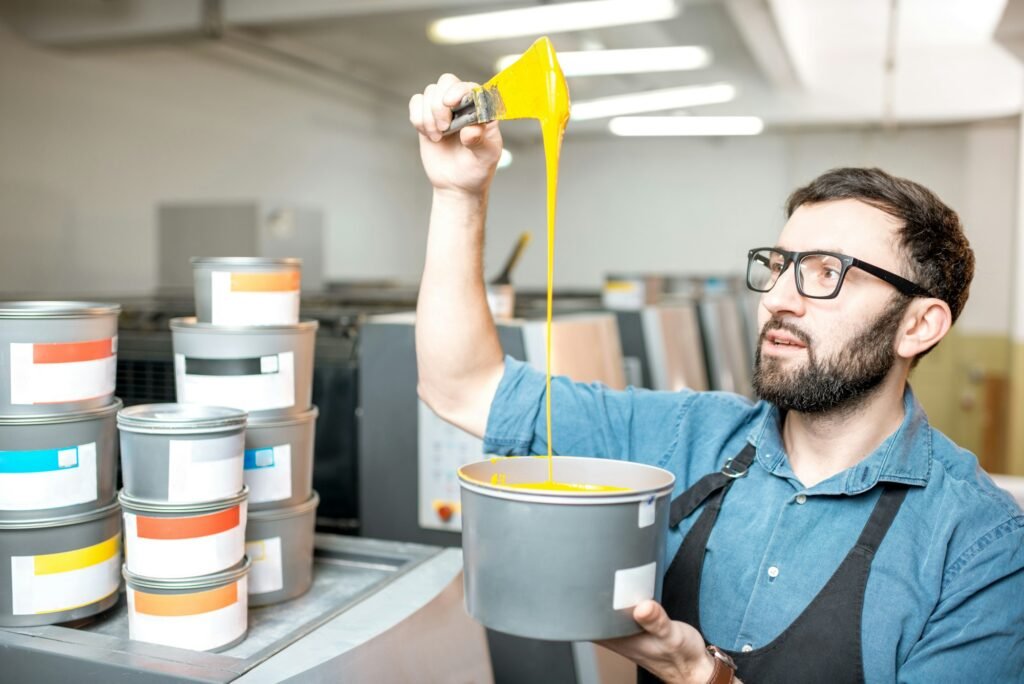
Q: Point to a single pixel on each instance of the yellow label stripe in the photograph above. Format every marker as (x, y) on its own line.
(53, 563)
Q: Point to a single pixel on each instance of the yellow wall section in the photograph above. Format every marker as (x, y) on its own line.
(1015, 411)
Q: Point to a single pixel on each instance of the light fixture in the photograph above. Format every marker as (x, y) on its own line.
(685, 125)
(556, 18)
(635, 61)
(505, 160)
(653, 101)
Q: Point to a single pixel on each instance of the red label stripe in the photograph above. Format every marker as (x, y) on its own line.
(187, 528)
(69, 352)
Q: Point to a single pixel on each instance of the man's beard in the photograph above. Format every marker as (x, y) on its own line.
(839, 383)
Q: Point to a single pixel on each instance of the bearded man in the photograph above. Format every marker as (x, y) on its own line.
(825, 533)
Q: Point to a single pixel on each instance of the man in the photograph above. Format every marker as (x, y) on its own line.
(824, 534)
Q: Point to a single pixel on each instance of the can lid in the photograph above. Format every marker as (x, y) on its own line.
(179, 418)
(60, 521)
(246, 261)
(272, 421)
(51, 418)
(287, 512)
(41, 309)
(221, 578)
(189, 324)
(132, 504)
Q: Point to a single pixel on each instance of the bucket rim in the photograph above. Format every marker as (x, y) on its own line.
(245, 261)
(62, 520)
(295, 511)
(46, 309)
(189, 324)
(177, 418)
(73, 417)
(306, 416)
(222, 578)
(133, 504)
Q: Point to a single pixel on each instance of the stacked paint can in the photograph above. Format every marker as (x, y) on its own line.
(246, 348)
(60, 530)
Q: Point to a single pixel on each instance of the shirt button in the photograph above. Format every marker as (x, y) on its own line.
(801, 498)
(773, 572)
(747, 648)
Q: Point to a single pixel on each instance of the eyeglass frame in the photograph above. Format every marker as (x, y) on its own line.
(905, 286)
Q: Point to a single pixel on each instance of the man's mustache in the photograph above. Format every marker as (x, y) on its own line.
(779, 324)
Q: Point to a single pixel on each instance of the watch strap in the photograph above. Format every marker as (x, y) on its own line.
(725, 668)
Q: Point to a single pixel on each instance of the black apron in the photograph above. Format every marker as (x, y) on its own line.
(823, 644)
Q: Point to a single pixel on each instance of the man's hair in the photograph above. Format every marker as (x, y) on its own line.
(931, 240)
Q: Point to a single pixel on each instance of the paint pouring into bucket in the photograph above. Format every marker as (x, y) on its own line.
(57, 356)
(173, 541)
(279, 460)
(562, 566)
(200, 613)
(247, 290)
(280, 544)
(265, 370)
(181, 453)
(59, 569)
(57, 464)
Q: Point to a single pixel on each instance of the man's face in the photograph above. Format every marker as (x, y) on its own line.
(818, 355)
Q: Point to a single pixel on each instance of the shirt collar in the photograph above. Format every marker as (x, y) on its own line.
(905, 456)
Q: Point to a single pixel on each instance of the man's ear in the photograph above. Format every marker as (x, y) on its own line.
(925, 323)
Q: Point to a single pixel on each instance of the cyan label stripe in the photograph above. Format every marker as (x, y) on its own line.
(259, 458)
(40, 461)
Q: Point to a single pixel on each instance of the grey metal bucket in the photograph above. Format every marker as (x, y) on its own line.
(57, 357)
(208, 613)
(265, 370)
(57, 465)
(280, 544)
(279, 460)
(59, 569)
(171, 541)
(181, 453)
(563, 566)
(247, 290)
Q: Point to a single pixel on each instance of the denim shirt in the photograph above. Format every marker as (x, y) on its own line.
(945, 597)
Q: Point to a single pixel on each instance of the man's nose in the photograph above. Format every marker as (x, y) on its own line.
(784, 297)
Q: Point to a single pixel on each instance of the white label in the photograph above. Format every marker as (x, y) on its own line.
(246, 392)
(250, 308)
(266, 574)
(47, 479)
(624, 295)
(200, 632)
(55, 383)
(204, 469)
(268, 472)
(173, 558)
(645, 515)
(41, 590)
(633, 585)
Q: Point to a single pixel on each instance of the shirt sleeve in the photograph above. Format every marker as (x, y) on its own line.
(976, 632)
(588, 419)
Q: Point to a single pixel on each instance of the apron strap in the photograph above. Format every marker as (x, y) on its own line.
(687, 502)
(881, 518)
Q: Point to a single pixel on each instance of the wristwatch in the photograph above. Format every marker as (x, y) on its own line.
(725, 668)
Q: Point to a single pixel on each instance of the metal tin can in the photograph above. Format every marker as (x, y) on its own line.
(247, 290)
(279, 460)
(280, 544)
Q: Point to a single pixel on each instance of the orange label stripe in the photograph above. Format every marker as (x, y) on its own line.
(171, 605)
(69, 352)
(187, 528)
(286, 281)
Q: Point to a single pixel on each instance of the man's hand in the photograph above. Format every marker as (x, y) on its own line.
(673, 651)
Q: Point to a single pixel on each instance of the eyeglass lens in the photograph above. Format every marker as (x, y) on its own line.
(818, 274)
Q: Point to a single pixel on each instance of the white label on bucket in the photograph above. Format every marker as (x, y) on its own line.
(54, 373)
(645, 515)
(182, 621)
(167, 557)
(266, 574)
(254, 298)
(47, 478)
(204, 469)
(268, 472)
(257, 392)
(633, 585)
(55, 582)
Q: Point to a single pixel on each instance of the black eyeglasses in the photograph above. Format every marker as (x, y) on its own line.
(819, 275)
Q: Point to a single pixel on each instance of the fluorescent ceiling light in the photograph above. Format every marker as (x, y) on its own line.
(637, 61)
(505, 159)
(653, 101)
(685, 125)
(558, 18)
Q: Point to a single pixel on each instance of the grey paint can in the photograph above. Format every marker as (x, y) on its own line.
(61, 568)
(280, 544)
(208, 613)
(170, 541)
(279, 460)
(56, 465)
(562, 566)
(265, 370)
(181, 453)
(247, 290)
(57, 357)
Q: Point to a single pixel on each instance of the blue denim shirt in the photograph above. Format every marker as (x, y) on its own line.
(945, 598)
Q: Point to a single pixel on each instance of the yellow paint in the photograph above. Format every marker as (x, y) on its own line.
(53, 563)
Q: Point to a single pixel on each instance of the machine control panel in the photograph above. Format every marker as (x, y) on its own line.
(443, 449)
